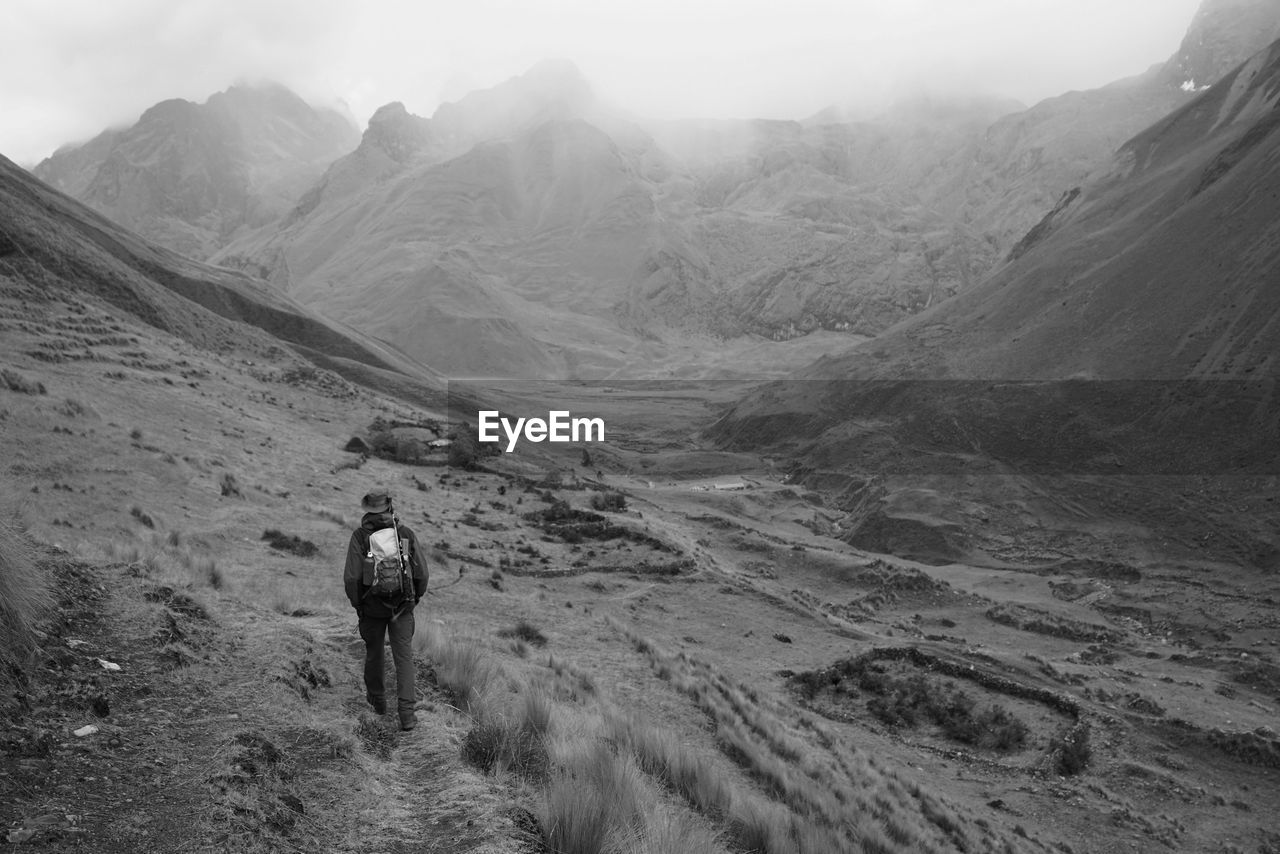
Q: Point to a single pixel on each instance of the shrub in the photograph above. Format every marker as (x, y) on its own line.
(525, 631)
(999, 730)
(463, 451)
(612, 502)
(906, 701)
(146, 520)
(230, 488)
(290, 543)
(408, 450)
(24, 594)
(1071, 752)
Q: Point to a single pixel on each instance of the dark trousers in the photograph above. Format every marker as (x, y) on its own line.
(374, 632)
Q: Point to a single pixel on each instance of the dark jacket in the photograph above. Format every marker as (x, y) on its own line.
(376, 607)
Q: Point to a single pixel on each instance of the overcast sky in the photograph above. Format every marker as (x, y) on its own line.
(70, 68)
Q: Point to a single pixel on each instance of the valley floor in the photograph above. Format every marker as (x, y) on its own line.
(736, 658)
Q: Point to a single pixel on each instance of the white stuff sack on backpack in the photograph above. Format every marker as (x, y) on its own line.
(384, 545)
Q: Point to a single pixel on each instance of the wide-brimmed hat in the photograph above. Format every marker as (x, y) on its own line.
(376, 502)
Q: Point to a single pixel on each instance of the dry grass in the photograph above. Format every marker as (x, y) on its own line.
(596, 802)
(461, 667)
(666, 832)
(576, 748)
(25, 596)
(661, 755)
(333, 516)
(607, 777)
(827, 795)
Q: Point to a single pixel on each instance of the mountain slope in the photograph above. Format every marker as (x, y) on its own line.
(488, 263)
(50, 242)
(1010, 176)
(1161, 267)
(1092, 351)
(188, 176)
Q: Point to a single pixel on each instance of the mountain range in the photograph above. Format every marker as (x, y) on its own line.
(533, 230)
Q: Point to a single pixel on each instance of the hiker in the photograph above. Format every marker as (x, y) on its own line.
(384, 579)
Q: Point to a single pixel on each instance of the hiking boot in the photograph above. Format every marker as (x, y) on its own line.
(408, 720)
(379, 704)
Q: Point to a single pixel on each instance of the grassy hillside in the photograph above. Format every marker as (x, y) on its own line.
(757, 685)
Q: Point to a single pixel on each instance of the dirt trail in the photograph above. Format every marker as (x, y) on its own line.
(227, 728)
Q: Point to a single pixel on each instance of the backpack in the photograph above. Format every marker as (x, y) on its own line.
(386, 568)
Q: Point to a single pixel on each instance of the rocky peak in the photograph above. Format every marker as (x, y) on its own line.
(397, 132)
(1222, 34)
(169, 111)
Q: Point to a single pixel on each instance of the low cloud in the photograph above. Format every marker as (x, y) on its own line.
(74, 67)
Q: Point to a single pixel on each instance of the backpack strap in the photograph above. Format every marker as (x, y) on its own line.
(405, 570)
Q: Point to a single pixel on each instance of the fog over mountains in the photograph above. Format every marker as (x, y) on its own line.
(188, 176)
(533, 230)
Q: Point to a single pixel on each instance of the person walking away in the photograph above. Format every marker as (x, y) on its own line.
(385, 578)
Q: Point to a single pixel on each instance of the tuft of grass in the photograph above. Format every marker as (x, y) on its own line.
(230, 486)
(73, 408)
(123, 552)
(525, 631)
(538, 713)
(667, 832)
(499, 744)
(291, 543)
(24, 593)
(661, 755)
(463, 670)
(204, 570)
(332, 515)
(596, 803)
(756, 825)
(143, 517)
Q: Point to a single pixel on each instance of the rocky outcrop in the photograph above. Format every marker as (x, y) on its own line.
(189, 176)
